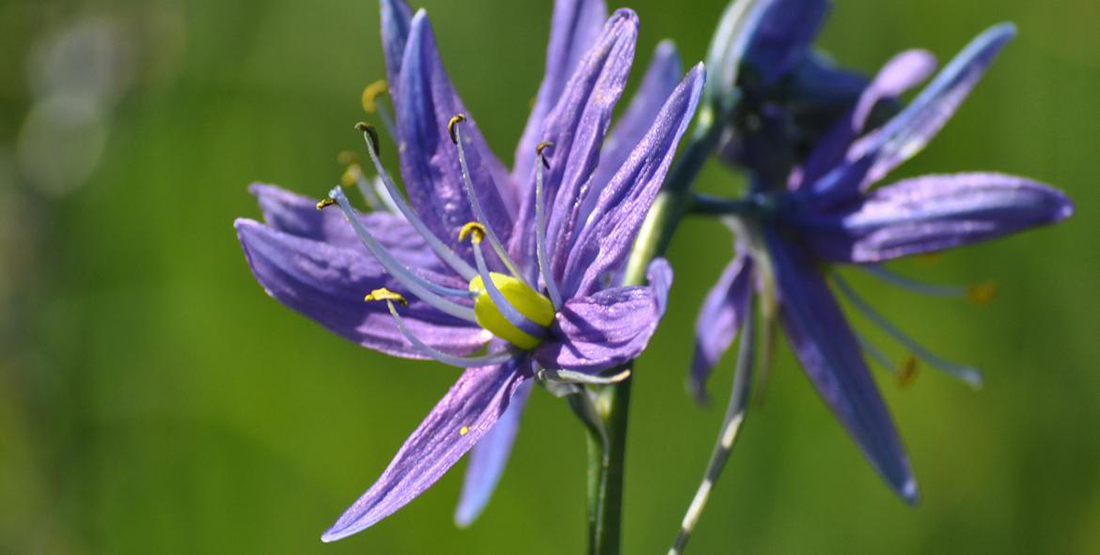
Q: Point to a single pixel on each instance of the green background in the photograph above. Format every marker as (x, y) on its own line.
(154, 400)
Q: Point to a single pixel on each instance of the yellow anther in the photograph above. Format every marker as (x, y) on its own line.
(463, 431)
(982, 293)
(371, 92)
(351, 175)
(473, 228)
(346, 158)
(451, 126)
(907, 373)
(384, 294)
(371, 134)
(325, 203)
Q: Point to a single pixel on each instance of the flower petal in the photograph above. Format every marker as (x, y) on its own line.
(934, 212)
(327, 283)
(783, 36)
(660, 80)
(830, 356)
(429, 160)
(605, 240)
(908, 132)
(577, 127)
(573, 30)
(723, 312)
(609, 328)
(487, 460)
(465, 414)
(904, 71)
(396, 18)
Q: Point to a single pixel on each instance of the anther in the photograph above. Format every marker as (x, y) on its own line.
(477, 230)
(907, 372)
(371, 92)
(372, 134)
(346, 158)
(383, 294)
(351, 175)
(451, 126)
(325, 203)
(982, 293)
(542, 157)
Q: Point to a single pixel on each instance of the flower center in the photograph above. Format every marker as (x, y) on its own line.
(523, 299)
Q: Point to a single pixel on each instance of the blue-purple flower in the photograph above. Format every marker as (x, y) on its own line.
(510, 275)
(831, 210)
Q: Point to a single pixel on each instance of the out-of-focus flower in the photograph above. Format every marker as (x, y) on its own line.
(540, 303)
(827, 212)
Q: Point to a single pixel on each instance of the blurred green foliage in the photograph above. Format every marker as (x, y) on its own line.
(154, 400)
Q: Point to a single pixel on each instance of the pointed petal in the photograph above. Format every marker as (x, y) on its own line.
(573, 30)
(907, 133)
(827, 349)
(577, 127)
(935, 212)
(612, 327)
(396, 19)
(429, 160)
(327, 283)
(298, 215)
(462, 417)
(723, 312)
(903, 72)
(487, 460)
(660, 80)
(602, 245)
(783, 36)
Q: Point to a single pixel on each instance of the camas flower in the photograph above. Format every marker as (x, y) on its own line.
(828, 212)
(509, 275)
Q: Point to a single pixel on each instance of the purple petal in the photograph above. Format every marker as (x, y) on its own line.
(660, 80)
(830, 356)
(327, 283)
(297, 215)
(723, 312)
(934, 212)
(429, 160)
(577, 127)
(901, 73)
(783, 36)
(461, 418)
(487, 460)
(575, 26)
(609, 328)
(907, 133)
(396, 19)
(602, 246)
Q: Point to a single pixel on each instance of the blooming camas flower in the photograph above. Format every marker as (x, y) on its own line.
(479, 259)
(827, 212)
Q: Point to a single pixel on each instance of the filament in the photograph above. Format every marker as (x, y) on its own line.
(540, 230)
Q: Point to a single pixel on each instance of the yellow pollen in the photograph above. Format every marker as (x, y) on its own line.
(384, 294)
(907, 374)
(451, 126)
(370, 94)
(463, 431)
(473, 228)
(982, 293)
(325, 203)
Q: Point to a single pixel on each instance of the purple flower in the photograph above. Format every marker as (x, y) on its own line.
(506, 274)
(829, 212)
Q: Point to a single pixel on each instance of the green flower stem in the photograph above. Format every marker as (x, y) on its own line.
(607, 454)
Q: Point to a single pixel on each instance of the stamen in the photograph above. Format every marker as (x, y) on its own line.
(908, 372)
(476, 232)
(325, 203)
(455, 130)
(384, 294)
(372, 105)
(876, 353)
(540, 229)
(572, 377)
(427, 291)
(461, 362)
(460, 266)
(982, 293)
(897, 280)
(353, 175)
(965, 373)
